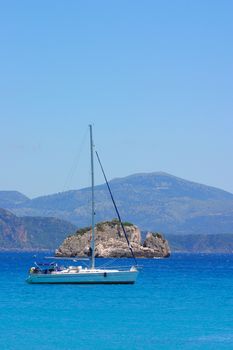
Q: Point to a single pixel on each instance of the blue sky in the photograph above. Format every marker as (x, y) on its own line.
(154, 77)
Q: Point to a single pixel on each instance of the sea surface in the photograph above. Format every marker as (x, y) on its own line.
(184, 302)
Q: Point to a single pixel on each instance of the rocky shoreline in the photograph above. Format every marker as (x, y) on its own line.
(110, 242)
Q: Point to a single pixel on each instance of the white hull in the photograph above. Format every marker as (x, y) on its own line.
(86, 277)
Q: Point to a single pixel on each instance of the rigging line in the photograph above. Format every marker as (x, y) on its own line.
(119, 267)
(46, 211)
(76, 161)
(86, 265)
(118, 214)
(111, 262)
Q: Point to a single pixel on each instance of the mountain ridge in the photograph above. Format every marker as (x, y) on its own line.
(154, 201)
(28, 233)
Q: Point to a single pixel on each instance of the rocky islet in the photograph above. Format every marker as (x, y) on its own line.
(110, 242)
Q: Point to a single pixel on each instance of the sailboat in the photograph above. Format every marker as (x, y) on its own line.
(53, 273)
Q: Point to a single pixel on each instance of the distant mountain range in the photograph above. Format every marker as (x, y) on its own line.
(40, 233)
(155, 201)
(201, 243)
(32, 233)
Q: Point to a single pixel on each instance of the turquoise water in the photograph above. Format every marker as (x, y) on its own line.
(184, 302)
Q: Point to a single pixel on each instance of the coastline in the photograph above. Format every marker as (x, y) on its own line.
(24, 250)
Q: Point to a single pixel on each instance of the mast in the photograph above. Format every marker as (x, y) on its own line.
(92, 203)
